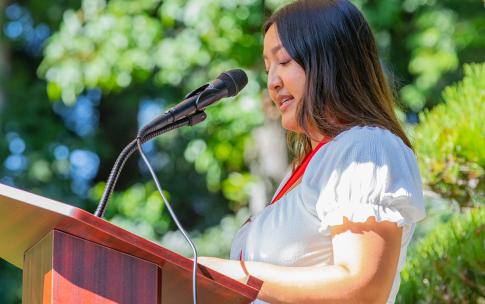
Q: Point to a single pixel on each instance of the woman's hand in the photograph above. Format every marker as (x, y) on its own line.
(230, 268)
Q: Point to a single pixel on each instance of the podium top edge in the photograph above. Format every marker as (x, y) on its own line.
(37, 200)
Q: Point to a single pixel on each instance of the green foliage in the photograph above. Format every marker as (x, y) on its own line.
(10, 282)
(433, 54)
(111, 44)
(450, 140)
(448, 265)
(100, 46)
(215, 241)
(175, 45)
(423, 43)
(138, 209)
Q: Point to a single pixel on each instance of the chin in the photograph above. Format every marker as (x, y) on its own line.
(290, 125)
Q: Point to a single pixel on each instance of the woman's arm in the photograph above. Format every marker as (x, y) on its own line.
(365, 261)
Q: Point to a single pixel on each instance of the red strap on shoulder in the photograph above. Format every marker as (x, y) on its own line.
(299, 170)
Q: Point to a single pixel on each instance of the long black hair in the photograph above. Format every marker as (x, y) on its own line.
(345, 82)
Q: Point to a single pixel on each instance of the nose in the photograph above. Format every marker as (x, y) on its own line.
(274, 81)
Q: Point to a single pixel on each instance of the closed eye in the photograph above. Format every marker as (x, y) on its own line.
(281, 63)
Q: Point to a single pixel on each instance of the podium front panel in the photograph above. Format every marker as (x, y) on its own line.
(62, 268)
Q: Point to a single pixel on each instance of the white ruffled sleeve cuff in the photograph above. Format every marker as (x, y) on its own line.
(400, 212)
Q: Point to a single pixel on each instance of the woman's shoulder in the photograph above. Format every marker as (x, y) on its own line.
(362, 144)
(368, 136)
(363, 141)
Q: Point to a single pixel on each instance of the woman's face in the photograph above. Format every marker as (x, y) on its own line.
(286, 79)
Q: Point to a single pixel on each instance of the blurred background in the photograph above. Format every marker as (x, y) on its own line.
(78, 78)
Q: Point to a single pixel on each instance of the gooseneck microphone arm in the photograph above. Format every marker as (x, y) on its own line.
(132, 147)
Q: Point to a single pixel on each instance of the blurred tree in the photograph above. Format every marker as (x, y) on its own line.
(451, 141)
(448, 265)
(423, 44)
(166, 46)
(27, 123)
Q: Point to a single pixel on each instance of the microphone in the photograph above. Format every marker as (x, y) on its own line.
(227, 84)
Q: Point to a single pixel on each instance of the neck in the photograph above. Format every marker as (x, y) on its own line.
(314, 144)
(315, 140)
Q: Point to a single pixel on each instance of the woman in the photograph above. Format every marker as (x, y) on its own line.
(338, 228)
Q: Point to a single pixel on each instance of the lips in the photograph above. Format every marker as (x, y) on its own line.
(284, 102)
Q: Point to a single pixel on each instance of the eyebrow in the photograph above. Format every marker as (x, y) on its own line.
(274, 50)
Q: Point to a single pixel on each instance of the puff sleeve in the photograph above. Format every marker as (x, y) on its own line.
(369, 172)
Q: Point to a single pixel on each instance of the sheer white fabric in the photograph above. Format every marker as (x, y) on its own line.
(363, 172)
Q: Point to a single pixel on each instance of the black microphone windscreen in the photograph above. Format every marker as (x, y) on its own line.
(235, 80)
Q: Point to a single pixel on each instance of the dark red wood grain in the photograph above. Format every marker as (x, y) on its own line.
(84, 272)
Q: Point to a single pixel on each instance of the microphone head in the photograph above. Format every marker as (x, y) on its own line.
(234, 80)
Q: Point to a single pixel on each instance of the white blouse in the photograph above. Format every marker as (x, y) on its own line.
(362, 172)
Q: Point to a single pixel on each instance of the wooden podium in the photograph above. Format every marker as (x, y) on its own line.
(71, 256)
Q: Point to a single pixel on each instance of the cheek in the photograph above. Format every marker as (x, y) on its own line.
(272, 95)
(297, 79)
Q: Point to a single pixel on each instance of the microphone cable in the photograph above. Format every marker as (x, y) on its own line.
(191, 120)
(174, 217)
